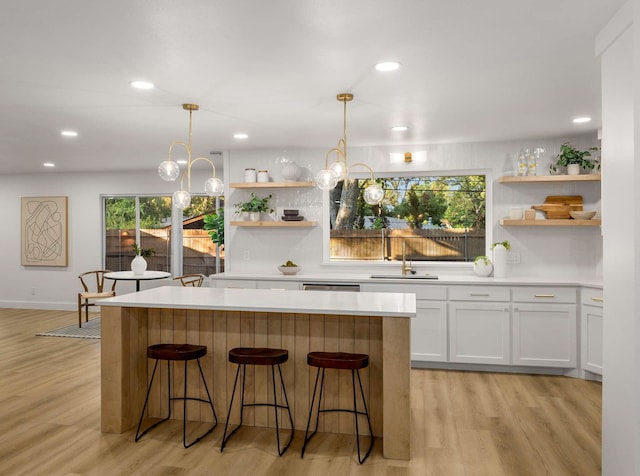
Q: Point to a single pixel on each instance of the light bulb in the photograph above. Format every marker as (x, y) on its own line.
(181, 199)
(168, 170)
(326, 180)
(339, 169)
(373, 194)
(214, 187)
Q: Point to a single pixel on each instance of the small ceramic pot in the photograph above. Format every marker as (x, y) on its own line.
(482, 269)
(290, 171)
(573, 169)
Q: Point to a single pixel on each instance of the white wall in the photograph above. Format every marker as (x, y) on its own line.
(621, 360)
(548, 251)
(545, 251)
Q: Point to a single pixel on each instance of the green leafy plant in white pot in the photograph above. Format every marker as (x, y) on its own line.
(482, 266)
(575, 160)
(255, 207)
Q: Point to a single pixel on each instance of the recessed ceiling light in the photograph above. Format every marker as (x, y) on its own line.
(142, 84)
(69, 133)
(241, 135)
(581, 120)
(388, 66)
(49, 164)
(399, 128)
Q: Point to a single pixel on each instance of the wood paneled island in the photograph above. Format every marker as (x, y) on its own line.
(377, 324)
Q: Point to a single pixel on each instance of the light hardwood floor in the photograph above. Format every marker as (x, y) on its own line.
(463, 423)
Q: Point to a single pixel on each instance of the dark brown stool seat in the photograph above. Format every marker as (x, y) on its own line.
(244, 356)
(184, 353)
(339, 361)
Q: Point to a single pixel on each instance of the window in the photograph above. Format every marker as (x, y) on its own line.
(439, 218)
(148, 221)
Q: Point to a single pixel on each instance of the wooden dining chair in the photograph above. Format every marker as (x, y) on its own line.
(194, 280)
(93, 288)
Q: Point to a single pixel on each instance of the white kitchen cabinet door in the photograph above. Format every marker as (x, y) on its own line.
(479, 332)
(429, 332)
(278, 285)
(545, 335)
(592, 339)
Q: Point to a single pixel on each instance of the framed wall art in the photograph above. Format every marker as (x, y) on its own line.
(44, 225)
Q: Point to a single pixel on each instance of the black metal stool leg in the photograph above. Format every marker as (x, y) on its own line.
(225, 438)
(276, 406)
(313, 399)
(209, 401)
(146, 401)
(356, 413)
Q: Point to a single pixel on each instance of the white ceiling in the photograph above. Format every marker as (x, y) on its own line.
(472, 71)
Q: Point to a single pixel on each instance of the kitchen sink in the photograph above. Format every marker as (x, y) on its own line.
(406, 276)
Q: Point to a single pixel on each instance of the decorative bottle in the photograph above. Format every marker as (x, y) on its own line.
(499, 261)
(522, 163)
(532, 163)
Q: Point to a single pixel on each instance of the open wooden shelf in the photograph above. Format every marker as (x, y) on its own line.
(550, 178)
(548, 222)
(275, 224)
(271, 184)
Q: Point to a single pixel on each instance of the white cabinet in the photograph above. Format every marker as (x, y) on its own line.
(234, 283)
(429, 327)
(479, 325)
(278, 285)
(591, 330)
(544, 327)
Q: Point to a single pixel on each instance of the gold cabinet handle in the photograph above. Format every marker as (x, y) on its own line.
(545, 295)
(597, 299)
(479, 294)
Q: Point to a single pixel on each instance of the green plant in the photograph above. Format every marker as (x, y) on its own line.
(484, 259)
(504, 243)
(214, 223)
(142, 252)
(570, 155)
(255, 204)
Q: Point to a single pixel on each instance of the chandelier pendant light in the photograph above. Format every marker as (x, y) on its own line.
(169, 170)
(328, 178)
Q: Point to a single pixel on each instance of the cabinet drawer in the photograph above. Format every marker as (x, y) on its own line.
(544, 294)
(592, 297)
(430, 293)
(278, 285)
(478, 293)
(234, 283)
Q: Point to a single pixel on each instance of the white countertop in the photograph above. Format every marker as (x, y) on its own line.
(443, 279)
(267, 300)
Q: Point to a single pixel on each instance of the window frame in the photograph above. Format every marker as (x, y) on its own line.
(326, 225)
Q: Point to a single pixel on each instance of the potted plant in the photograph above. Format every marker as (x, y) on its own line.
(139, 263)
(255, 206)
(214, 224)
(575, 159)
(482, 266)
(500, 258)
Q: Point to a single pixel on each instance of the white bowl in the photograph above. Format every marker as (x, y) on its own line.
(576, 215)
(289, 269)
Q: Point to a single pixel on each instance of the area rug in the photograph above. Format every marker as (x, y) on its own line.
(89, 330)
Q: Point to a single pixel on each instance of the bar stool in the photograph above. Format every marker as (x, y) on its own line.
(177, 352)
(244, 356)
(340, 361)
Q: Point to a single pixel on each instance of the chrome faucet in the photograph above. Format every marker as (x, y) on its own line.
(406, 268)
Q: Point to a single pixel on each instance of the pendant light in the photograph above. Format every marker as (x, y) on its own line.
(328, 178)
(169, 170)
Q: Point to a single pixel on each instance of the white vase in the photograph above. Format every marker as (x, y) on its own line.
(573, 169)
(290, 171)
(499, 261)
(254, 216)
(138, 265)
(482, 269)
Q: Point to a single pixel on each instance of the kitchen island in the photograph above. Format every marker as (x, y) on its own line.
(377, 324)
